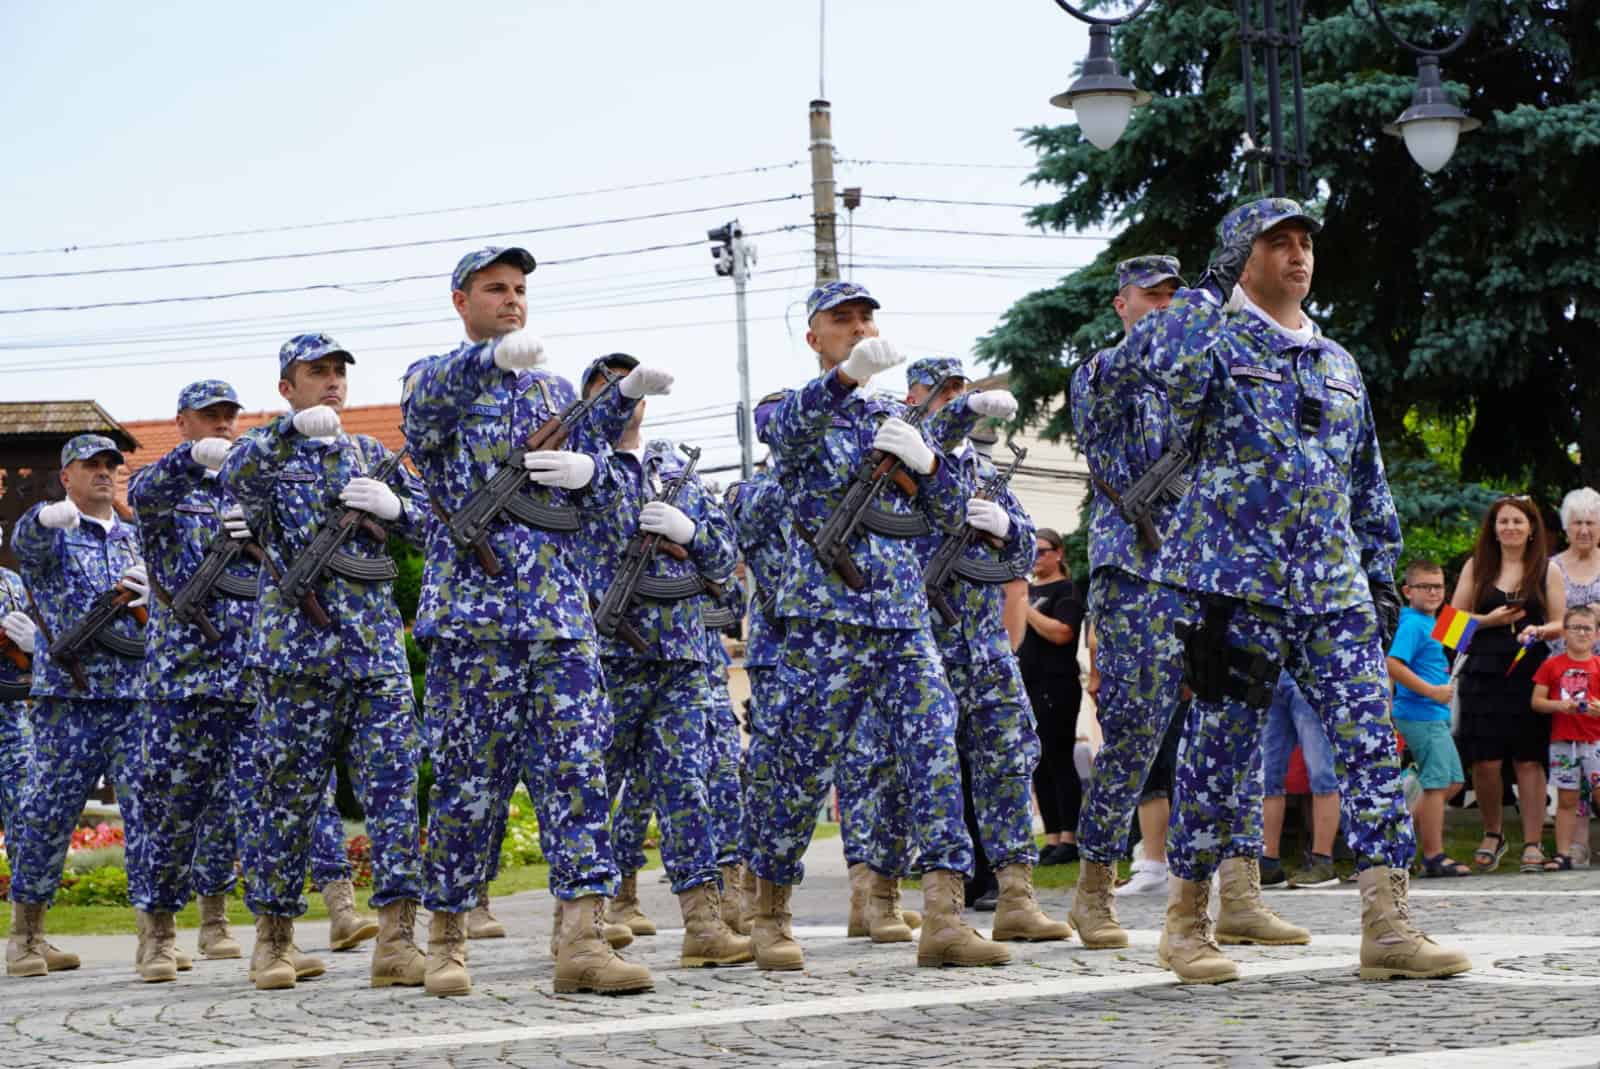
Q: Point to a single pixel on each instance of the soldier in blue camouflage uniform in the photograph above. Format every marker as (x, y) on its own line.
(1288, 540)
(71, 552)
(16, 736)
(1139, 655)
(322, 693)
(852, 653)
(995, 731)
(514, 683)
(659, 694)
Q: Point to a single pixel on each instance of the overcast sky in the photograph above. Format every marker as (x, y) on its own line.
(127, 123)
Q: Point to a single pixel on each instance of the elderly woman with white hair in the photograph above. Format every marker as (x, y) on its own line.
(1579, 565)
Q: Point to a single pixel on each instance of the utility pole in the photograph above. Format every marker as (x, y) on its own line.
(733, 255)
(823, 216)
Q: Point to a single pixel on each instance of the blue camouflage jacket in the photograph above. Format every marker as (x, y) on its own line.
(979, 633)
(13, 598)
(66, 570)
(717, 657)
(672, 628)
(180, 512)
(819, 434)
(289, 487)
(1279, 515)
(464, 419)
(756, 507)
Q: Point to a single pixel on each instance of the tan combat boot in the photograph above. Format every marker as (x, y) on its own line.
(271, 967)
(25, 948)
(1093, 911)
(305, 966)
(1186, 946)
(396, 961)
(624, 909)
(946, 939)
(445, 972)
(732, 908)
(775, 947)
(747, 901)
(216, 941)
(584, 961)
(346, 927)
(909, 917)
(707, 939)
(1244, 917)
(154, 960)
(856, 926)
(1391, 947)
(1017, 915)
(882, 917)
(615, 934)
(183, 961)
(481, 924)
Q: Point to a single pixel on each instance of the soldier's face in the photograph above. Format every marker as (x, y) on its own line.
(212, 421)
(1135, 302)
(495, 302)
(321, 382)
(1279, 268)
(91, 482)
(834, 333)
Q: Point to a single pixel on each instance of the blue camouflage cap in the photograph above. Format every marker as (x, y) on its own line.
(84, 446)
(205, 393)
(1147, 271)
(833, 294)
(490, 254)
(1259, 216)
(931, 369)
(308, 347)
(613, 361)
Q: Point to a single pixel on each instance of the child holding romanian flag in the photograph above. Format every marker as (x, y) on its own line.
(1421, 675)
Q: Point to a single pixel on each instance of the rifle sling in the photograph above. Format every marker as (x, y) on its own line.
(895, 524)
(122, 646)
(363, 569)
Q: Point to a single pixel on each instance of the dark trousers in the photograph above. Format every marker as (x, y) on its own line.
(1056, 782)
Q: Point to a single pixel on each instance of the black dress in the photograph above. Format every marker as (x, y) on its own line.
(1497, 718)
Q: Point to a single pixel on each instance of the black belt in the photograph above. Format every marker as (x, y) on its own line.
(363, 569)
(525, 510)
(15, 692)
(896, 524)
(658, 588)
(122, 646)
(233, 586)
(719, 618)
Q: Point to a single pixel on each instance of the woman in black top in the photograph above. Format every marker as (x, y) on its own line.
(1049, 661)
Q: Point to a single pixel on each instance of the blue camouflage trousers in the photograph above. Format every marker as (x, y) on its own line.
(833, 674)
(765, 696)
(995, 732)
(75, 742)
(16, 752)
(1140, 660)
(303, 725)
(499, 710)
(874, 818)
(1338, 661)
(662, 710)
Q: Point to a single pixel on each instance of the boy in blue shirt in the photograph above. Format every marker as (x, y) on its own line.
(1422, 693)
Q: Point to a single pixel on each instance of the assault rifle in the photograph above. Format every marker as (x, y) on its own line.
(611, 615)
(94, 626)
(947, 558)
(1167, 476)
(188, 605)
(878, 468)
(502, 493)
(326, 553)
(13, 653)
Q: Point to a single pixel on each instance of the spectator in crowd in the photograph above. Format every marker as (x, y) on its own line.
(1518, 599)
(1579, 565)
(1149, 875)
(1049, 660)
(1567, 688)
(1290, 722)
(1421, 676)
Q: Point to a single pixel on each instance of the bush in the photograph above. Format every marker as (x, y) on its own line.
(102, 887)
(521, 845)
(101, 857)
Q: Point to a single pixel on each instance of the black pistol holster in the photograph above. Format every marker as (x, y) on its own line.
(1214, 670)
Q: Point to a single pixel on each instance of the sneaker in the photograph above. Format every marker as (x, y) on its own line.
(1148, 878)
(1319, 874)
(987, 901)
(1066, 853)
(1272, 875)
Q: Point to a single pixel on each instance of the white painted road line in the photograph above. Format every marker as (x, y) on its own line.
(1576, 1052)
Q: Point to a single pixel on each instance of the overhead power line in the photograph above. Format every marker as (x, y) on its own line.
(978, 233)
(947, 200)
(937, 163)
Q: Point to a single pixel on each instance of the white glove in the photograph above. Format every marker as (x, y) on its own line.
(988, 517)
(370, 495)
(233, 523)
(210, 452)
(870, 356)
(61, 516)
(658, 517)
(20, 629)
(518, 351)
(557, 467)
(318, 421)
(904, 441)
(998, 404)
(137, 580)
(645, 382)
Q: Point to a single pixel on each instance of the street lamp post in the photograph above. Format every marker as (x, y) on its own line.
(1431, 125)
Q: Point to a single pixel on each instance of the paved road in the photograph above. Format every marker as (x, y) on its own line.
(1536, 942)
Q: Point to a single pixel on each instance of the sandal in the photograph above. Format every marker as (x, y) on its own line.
(1536, 862)
(1559, 863)
(1489, 860)
(1441, 865)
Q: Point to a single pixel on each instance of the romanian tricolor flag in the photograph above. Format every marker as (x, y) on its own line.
(1454, 628)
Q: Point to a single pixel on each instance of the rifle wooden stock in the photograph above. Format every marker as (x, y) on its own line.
(14, 654)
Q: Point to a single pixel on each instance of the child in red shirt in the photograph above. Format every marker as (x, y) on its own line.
(1567, 687)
